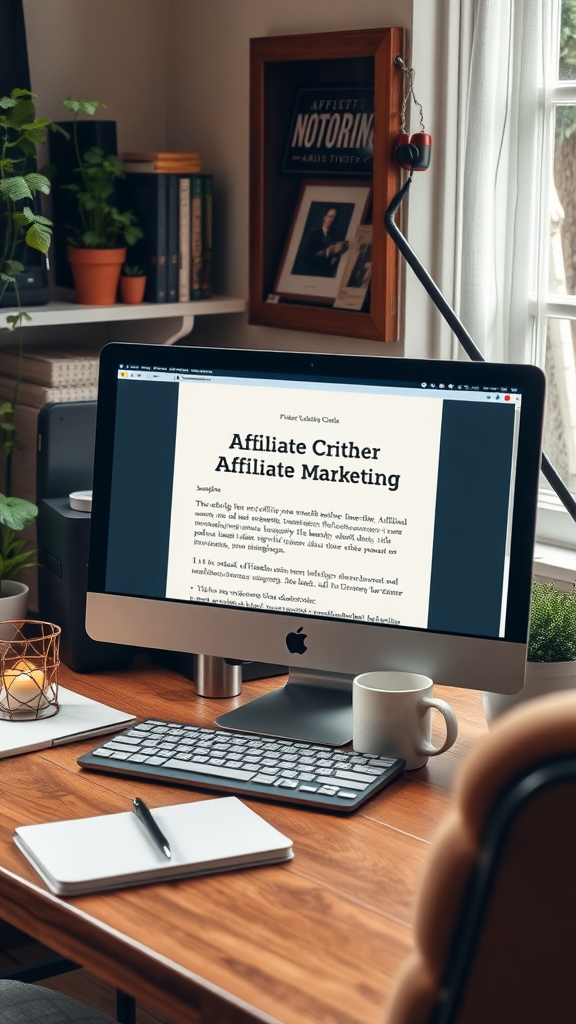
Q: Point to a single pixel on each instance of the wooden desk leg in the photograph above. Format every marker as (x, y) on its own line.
(125, 1008)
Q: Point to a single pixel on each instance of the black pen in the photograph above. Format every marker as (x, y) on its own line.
(143, 814)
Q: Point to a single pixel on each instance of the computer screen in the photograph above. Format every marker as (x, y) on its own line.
(338, 514)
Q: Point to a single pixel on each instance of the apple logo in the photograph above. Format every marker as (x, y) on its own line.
(295, 641)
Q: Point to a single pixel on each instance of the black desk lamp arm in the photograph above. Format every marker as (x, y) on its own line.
(456, 325)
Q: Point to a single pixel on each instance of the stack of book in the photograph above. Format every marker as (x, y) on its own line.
(65, 373)
(172, 200)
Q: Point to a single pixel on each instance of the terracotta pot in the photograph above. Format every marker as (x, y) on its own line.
(132, 289)
(542, 677)
(96, 274)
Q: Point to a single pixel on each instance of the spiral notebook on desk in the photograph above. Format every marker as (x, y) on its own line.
(114, 851)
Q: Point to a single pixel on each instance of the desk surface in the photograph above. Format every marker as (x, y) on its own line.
(318, 939)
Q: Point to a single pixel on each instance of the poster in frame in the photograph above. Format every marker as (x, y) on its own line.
(332, 132)
(281, 67)
(324, 225)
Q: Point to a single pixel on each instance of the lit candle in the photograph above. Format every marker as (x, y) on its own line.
(23, 688)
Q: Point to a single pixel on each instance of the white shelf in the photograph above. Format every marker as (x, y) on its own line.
(147, 323)
(66, 311)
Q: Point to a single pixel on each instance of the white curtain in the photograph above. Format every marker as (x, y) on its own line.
(505, 158)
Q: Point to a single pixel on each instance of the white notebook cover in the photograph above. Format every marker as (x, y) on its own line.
(78, 718)
(114, 850)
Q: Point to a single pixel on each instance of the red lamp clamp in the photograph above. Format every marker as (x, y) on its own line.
(412, 152)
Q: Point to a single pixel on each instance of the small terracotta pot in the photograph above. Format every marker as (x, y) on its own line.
(96, 273)
(132, 289)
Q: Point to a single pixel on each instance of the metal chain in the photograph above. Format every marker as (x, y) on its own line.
(410, 93)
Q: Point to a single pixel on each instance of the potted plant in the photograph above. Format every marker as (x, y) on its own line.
(551, 663)
(15, 554)
(20, 132)
(132, 284)
(97, 245)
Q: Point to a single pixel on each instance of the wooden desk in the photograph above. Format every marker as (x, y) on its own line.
(318, 939)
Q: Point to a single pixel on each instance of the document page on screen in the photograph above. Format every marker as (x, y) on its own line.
(317, 500)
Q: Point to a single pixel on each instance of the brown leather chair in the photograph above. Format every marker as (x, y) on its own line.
(495, 920)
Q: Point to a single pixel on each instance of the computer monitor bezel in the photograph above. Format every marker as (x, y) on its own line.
(333, 645)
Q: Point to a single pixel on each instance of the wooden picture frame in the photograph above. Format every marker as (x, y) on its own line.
(326, 218)
(282, 70)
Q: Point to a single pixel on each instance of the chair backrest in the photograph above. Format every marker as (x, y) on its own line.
(495, 919)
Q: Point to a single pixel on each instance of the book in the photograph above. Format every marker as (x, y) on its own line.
(207, 206)
(147, 196)
(112, 851)
(63, 366)
(37, 395)
(152, 155)
(184, 240)
(173, 236)
(78, 718)
(161, 166)
(196, 240)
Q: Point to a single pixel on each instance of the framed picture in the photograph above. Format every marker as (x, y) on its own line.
(324, 226)
(324, 114)
(357, 271)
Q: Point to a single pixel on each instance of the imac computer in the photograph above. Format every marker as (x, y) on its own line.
(338, 514)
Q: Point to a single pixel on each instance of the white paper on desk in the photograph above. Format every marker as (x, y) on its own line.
(114, 850)
(78, 718)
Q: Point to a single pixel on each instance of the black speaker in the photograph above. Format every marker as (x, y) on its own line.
(64, 208)
(33, 285)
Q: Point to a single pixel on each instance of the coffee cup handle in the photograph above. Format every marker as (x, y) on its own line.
(451, 725)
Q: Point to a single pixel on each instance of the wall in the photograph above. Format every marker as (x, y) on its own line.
(107, 50)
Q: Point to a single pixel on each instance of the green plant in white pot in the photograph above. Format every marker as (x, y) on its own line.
(15, 555)
(551, 663)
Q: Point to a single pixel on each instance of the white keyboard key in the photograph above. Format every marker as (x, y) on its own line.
(345, 793)
(351, 783)
(218, 771)
(359, 776)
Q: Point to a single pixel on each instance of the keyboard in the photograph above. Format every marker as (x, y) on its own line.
(246, 764)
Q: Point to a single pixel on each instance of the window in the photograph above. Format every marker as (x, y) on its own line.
(556, 315)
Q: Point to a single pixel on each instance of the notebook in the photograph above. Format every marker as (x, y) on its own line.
(114, 851)
(78, 718)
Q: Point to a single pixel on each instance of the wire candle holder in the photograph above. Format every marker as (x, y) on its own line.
(29, 662)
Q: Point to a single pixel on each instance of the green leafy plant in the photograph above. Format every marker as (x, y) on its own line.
(20, 132)
(102, 225)
(133, 271)
(15, 554)
(552, 623)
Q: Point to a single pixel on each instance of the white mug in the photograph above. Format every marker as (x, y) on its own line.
(392, 717)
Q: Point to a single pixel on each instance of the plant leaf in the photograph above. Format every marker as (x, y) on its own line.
(38, 183)
(15, 188)
(13, 267)
(6, 102)
(39, 237)
(16, 513)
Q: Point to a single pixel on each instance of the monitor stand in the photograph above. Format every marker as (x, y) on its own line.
(312, 706)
